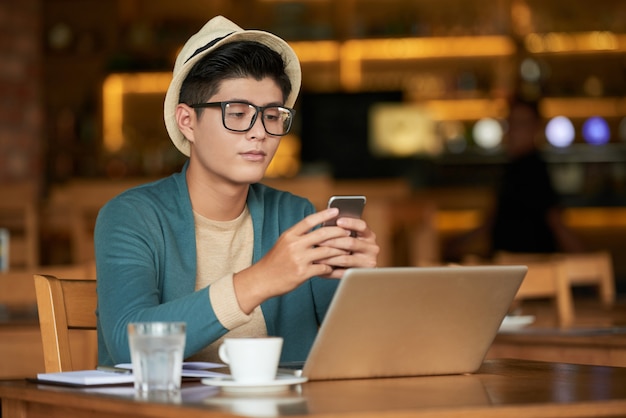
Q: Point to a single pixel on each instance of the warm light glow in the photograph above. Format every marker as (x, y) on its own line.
(112, 108)
(521, 17)
(457, 220)
(317, 51)
(584, 42)
(350, 65)
(114, 88)
(286, 161)
(400, 130)
(353, 53)
(579, 107)
(436, 47)
(466, 109)
(595, 217)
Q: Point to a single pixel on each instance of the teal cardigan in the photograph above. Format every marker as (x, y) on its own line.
(146, 268)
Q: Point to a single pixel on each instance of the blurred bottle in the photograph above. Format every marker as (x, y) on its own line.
(4, 250)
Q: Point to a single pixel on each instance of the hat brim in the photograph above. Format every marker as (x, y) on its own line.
(292, 69)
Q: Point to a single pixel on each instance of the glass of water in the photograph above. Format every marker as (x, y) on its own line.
(156, 351)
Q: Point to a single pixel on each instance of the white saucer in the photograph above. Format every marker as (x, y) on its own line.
(515, 322)
(281, 383)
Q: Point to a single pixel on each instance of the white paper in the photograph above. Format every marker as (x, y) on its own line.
(87, 377)
(190, 369)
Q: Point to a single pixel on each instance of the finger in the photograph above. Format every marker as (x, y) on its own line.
(354, 259)
(319, 236)
(347, 242)
(322, 270)
(353, 224)
(321, 255)
(313, 220)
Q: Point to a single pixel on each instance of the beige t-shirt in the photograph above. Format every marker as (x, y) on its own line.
(224, 248)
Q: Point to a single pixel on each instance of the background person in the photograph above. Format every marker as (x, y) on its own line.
(527, 216)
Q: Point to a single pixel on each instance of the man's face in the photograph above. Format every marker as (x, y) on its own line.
(235, 157)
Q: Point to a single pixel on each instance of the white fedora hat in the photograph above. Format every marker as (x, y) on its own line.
(219, 31)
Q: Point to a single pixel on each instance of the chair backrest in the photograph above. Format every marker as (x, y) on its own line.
(594, 268)
(546, 278)
(586, 268)
(63, 305)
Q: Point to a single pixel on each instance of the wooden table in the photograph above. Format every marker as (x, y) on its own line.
(597, 346)
(597, 337)
(501, 388)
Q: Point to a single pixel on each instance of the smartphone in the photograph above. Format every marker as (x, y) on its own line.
(349, 206)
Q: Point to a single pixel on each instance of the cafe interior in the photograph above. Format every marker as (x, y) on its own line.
(403, 101)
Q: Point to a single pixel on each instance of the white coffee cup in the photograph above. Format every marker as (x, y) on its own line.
(252, 360)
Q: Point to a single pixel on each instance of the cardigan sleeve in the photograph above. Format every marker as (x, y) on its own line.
(141, 278)
(225, 304)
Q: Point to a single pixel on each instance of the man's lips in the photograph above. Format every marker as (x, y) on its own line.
(253, 155)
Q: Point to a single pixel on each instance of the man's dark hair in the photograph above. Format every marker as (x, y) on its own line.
(233, 60)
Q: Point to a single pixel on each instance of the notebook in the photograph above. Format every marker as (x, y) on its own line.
(412, 321)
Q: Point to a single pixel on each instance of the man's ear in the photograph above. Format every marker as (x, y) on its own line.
(186, 121)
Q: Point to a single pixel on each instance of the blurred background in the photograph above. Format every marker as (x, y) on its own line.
(409, 92)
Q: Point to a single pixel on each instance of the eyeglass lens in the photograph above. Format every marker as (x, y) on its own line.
(241, 116)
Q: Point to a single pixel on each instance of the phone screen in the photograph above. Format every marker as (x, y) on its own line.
(349, 206)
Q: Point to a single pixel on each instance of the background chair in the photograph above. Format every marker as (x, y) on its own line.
(67, 306)
(592, 268)
(585, 268)
(546, 278)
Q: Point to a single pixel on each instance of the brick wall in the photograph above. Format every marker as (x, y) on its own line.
(21, 133)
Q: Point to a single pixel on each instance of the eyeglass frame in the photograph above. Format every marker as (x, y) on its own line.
(259, 109)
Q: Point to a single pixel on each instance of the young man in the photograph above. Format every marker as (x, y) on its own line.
(211, 246)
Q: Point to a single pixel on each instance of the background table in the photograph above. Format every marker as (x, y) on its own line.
(597, 337)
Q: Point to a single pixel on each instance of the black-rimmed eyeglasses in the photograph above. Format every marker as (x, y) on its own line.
(241, 116)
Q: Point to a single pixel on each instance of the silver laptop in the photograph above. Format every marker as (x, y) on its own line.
(412, 321)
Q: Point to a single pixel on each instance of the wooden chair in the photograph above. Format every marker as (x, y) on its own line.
(587, 268)
(592, 268)
(17, 290)
(546, 278)
(65, 306)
